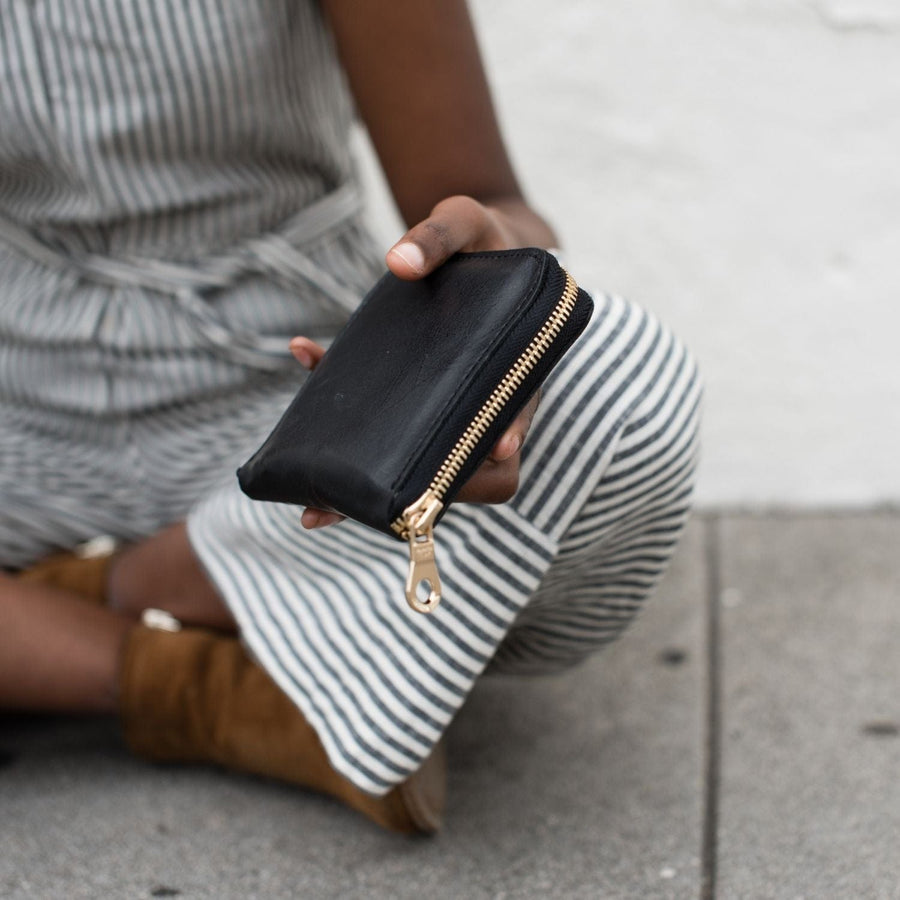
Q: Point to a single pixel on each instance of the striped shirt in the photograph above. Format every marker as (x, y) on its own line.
(179, 168)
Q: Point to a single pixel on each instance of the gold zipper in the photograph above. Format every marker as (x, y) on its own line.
(416, 524)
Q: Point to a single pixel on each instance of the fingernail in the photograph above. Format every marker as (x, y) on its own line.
(411, 254)
(310, 519)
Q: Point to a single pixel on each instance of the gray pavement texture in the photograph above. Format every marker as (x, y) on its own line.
(741, 741)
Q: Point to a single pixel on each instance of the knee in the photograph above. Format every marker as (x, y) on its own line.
(658, 446)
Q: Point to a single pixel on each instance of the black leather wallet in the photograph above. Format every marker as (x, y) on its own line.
(414, 392)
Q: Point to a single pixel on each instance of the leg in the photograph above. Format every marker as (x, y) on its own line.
(190, 696)
(324, 613)
(163, 573)
(159, 573)
(194, 696)
(616, 540)
(58, 653)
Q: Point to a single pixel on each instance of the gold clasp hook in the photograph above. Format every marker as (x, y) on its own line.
(420, 519)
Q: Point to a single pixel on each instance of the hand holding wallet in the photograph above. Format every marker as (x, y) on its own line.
(415, 391)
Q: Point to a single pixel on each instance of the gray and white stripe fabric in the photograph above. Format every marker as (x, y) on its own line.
(176, 201)
(66, 477)
(168, 129)
(176, 198)
(530, 586)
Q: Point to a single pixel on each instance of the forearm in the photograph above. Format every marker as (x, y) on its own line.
(416, 74)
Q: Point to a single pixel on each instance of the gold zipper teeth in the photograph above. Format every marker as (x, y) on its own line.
(500, 396)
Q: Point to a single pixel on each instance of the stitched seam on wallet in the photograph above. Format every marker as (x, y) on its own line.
(453, 403)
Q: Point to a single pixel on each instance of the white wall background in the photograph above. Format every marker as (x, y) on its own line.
(734, 165)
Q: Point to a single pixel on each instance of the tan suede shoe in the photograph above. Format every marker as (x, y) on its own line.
(82, 571)
(193, 696)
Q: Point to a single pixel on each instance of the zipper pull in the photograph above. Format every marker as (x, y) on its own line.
(419, 518)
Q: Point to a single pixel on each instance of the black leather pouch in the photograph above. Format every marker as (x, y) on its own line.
(414, 392)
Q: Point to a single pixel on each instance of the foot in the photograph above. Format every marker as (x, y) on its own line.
(194, 696)
(81, 571)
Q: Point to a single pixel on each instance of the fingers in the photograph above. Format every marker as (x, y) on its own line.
(307, 352)
(497, 478)
(493, 482)
(457, 223)
(509, 445)
(319, 518)
(514, 436)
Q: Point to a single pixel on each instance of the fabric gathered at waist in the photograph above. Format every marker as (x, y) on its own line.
(278, 255)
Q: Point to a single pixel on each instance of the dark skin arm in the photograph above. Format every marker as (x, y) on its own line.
(415, 71)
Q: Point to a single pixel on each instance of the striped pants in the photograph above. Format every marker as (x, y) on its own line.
(529, 586)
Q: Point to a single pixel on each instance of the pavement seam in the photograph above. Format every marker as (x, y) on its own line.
(713, 720)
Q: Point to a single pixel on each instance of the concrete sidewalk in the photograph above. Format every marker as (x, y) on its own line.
(741, 741)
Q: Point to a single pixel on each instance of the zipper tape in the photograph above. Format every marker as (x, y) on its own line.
(416, 524)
